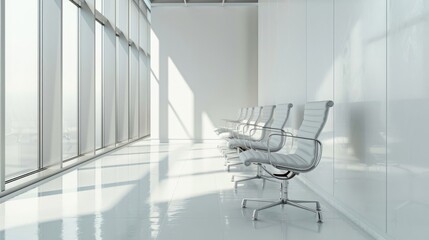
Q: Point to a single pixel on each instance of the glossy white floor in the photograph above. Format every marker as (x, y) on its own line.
(161, 191)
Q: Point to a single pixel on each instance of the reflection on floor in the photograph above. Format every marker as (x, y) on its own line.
(161, 191)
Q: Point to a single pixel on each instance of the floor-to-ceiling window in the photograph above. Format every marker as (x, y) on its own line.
(99, 5)
(133, 71)
(21, 86)
(98, 85)
(144, 74)
(70, 79)
(122, 71)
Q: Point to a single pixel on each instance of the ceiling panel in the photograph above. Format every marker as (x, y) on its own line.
(204, 1)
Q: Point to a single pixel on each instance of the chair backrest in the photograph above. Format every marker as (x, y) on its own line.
(280, 118)
(239, 113)
(243, 114)
(315, 117)
(247, 115)
(281, 115)
(266, 115)
(255, 115)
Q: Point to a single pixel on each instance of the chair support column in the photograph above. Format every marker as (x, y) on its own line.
(259, 175)
(284, 200)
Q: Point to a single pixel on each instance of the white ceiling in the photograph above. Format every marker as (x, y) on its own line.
(204, 1)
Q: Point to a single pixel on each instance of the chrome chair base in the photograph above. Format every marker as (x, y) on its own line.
(229, 164)
(258, 175)
(264, 178)
(284, 200)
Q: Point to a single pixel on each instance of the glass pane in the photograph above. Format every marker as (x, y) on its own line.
(122, 89)
(143, 99)
(134, 93)
(21, 72)
(134, 22)
(109, 87)
(70, 79)
(98, 85)
(98, 5)
(144, 33)
(122, 15)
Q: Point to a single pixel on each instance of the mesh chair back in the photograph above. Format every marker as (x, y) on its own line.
(248, 114)
(280, 117)
(241, 114)
(255, 115)
(315, 117)
(266, 115)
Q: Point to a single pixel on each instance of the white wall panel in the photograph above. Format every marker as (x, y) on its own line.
(360, 112)
(407, 118)
(266, 50)
(204, 68)
(344, 52)
(290, 57)
(282, 76)
(51, 83)
(109, 86)
(320, 81)
(87, 80)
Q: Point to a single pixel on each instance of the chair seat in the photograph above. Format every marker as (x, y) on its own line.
(263, 145)
(227, 135)
(221, 130)
(258, 145)
(291, 162)
(235, 143)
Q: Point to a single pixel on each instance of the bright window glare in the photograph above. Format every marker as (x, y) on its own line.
(70, 79)
(133, 92)
(22, 76)
(98, 85)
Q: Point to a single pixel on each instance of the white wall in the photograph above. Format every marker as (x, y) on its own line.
(204, 67)
(371, 58)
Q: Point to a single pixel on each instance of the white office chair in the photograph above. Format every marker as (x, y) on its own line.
(278, 122)
(230, 124)
(264, 119)
(223, 148)
(303, 159)
(280, 118)
(248, 133)
(252, 114)
(242, 127)
(247, 113)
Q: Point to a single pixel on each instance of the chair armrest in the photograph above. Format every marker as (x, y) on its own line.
(318, 153)
(261, 128)
(230, 120)
(245, 125)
